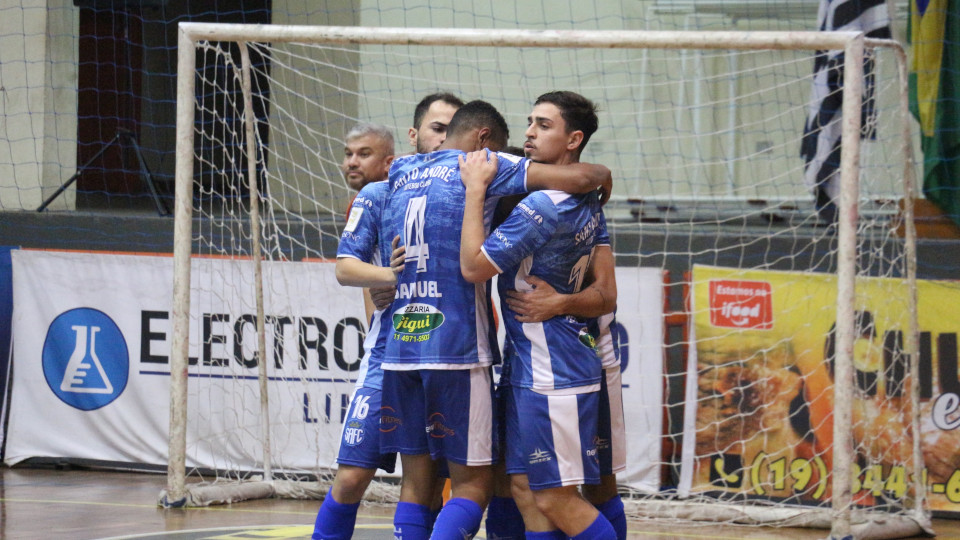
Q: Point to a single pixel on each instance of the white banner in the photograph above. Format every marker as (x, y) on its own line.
(640, 313)
(92, 337)
(91, 360)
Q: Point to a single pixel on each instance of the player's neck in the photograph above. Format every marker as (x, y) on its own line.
(566, 159)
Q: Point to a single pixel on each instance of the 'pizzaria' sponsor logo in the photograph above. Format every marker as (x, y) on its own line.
(417, 319)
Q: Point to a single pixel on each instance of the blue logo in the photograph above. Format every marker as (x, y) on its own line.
(85, 359)
(353, 433)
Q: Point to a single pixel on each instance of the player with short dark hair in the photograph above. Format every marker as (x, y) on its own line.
(555, 372)
(430, 121)
(597, 300)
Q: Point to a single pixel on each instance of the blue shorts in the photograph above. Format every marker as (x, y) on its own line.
(552, 441)
(445, 413)
(360, 438)
(611, 430)
(501, 402)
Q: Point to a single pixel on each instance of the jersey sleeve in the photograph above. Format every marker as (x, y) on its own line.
(528, 227)
(360, 237)
(603, 237)
(511, 178)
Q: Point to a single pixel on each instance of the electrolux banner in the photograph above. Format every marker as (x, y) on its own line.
(94, 332)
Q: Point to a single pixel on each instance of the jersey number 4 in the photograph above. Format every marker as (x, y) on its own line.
(413, 222)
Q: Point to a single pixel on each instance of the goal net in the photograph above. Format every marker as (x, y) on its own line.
(769, 354)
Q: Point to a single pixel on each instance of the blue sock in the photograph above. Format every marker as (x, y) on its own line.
(548, 535)
(411, 522)
(335, 521)
(504, 520)
(460, 518)
(613, 511)
(434, 514)
(600, 529)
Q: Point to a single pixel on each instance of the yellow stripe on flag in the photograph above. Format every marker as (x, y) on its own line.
(927, 28)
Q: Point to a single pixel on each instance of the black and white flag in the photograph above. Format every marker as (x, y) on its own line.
(820, 147)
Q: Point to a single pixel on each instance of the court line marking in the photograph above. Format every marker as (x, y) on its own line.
(359, 526)
(189, 508)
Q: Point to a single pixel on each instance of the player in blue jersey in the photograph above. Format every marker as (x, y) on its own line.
(437, 383)
(555, 371)
(367, 155)
(543, 302)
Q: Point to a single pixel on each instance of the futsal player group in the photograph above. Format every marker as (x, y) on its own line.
(537, 450)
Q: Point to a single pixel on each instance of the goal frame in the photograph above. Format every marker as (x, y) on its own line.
(853, 43)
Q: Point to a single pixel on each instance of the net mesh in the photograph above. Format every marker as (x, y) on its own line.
(704, 146)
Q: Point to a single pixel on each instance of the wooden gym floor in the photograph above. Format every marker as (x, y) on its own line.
(82, 504)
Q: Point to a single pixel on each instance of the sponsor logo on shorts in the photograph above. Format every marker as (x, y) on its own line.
(389, 421)
(353, 433)
(741, 304)
(436, 427)
(587, 339)
(540, 456)
(417, 319)
(601, 443)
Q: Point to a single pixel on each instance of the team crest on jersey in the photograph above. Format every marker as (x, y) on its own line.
(417, 319)
(355, 213)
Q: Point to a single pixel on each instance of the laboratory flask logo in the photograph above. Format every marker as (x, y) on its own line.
(85, 360)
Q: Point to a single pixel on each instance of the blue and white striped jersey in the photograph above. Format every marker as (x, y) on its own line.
(361, 240)
(439, 320)
(551, 235)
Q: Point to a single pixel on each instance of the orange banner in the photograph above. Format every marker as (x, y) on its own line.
(764, 411)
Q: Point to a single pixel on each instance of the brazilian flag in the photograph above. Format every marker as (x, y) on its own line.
(935, 97)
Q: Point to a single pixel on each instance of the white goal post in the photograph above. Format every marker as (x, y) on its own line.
(259, 196)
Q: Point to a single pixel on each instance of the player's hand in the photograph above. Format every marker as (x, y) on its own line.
(538, 305)
(606, 188)
(399, 256)
(478, 169)
(382, 296)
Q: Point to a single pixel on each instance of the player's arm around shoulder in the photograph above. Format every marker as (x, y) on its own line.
(477, 170)
(572, 178)
(544, 302)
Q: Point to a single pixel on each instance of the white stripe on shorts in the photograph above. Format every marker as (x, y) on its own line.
(566, 438)
(540, 363)
(618, 435)
(480, 437)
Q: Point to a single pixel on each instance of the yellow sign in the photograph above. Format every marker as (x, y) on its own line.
(765, 361)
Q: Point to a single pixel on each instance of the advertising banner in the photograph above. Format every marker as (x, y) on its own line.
(640, 319)
(92, 361)
(93, 333)
(760, 420)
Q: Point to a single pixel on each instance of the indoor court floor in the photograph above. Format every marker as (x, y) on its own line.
(85, 504)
